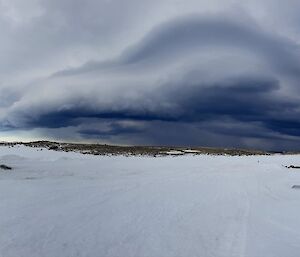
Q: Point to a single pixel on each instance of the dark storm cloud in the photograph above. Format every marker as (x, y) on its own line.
(192, 33)
(151, 74)
(72, 117)
(114, 129)
(240, 100)
(185, 36)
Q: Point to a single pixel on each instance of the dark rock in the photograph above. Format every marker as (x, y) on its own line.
(5, 167)
(293, 167)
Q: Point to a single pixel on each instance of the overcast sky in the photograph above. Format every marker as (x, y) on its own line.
(157, 72)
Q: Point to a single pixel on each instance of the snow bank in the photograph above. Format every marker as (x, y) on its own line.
(56, 204)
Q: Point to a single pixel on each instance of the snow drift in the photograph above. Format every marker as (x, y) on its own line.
(57, 204)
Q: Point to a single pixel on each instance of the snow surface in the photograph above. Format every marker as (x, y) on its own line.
(55, 204)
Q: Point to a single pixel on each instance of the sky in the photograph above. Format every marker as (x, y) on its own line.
(151, 72)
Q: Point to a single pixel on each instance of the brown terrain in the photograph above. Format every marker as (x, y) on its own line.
(103, 149)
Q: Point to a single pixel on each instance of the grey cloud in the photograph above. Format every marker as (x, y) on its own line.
(189, 35)
(251, 100)
(166, 77)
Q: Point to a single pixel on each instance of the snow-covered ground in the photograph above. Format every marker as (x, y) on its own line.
(56, 204)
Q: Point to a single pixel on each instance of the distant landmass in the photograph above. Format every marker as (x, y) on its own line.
(104, 149)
